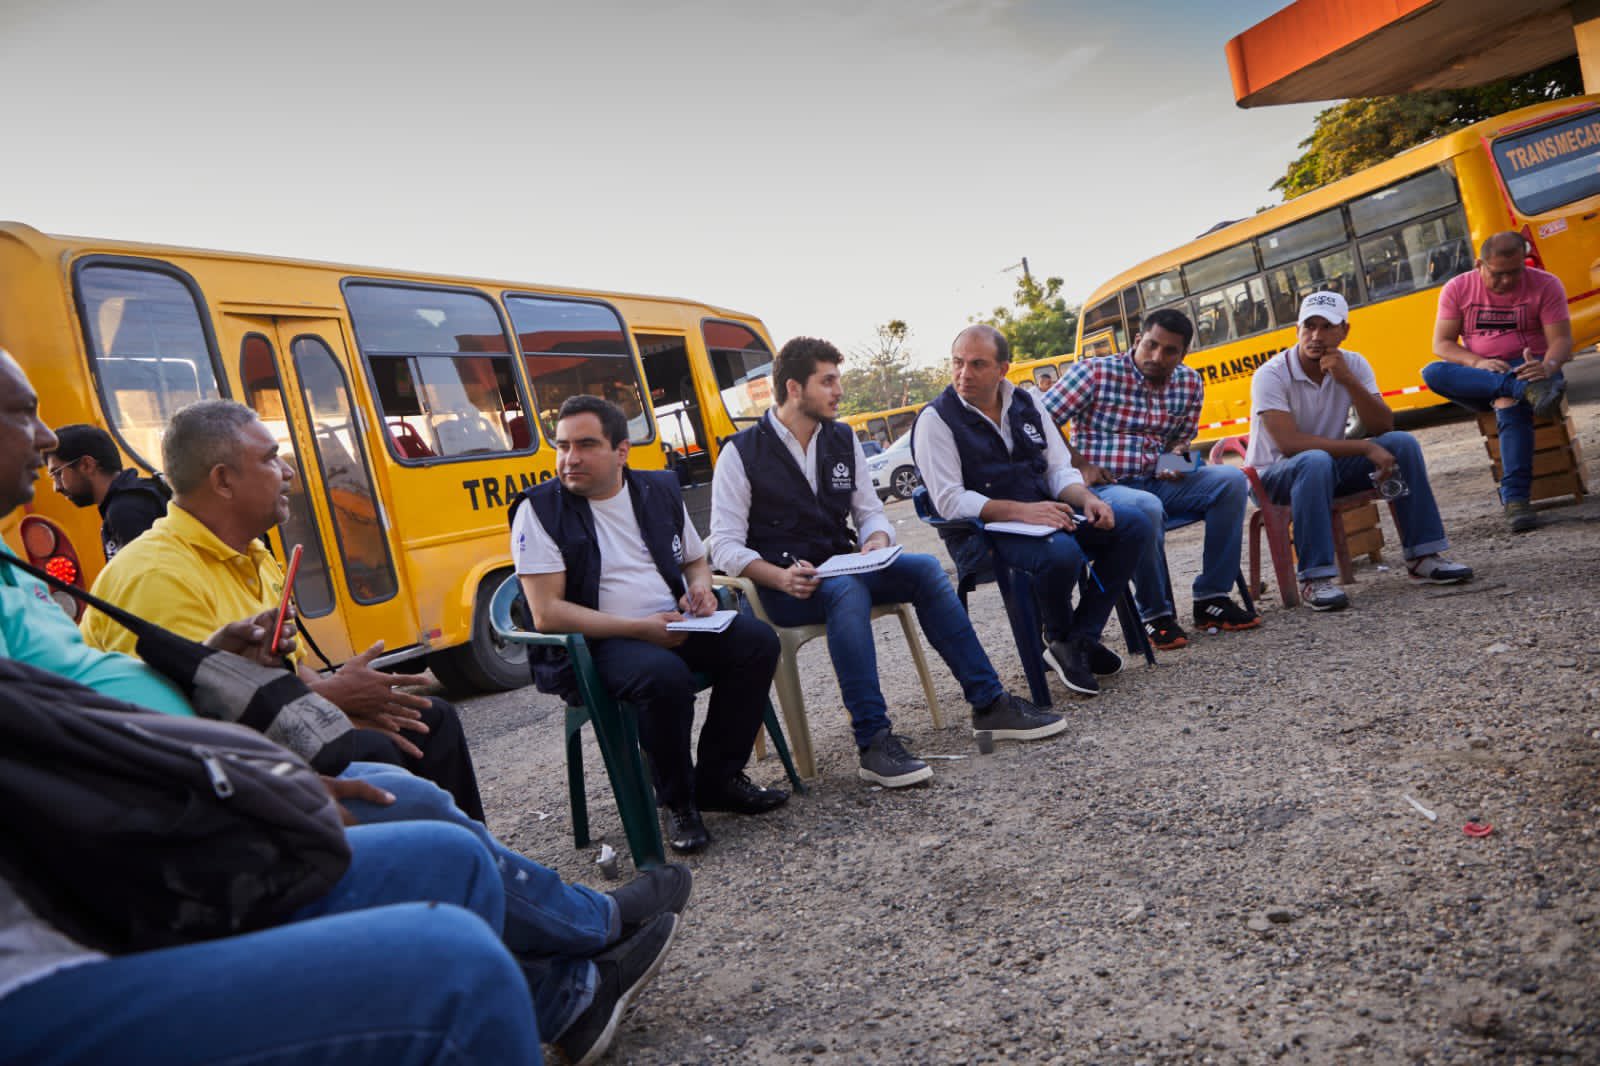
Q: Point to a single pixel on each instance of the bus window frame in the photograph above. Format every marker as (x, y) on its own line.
(359, 438)
(154, 266)
(1492, 140)
(712, 366)
(513, 353)
(640, 381)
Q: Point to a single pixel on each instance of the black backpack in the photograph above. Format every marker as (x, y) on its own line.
(128, 830)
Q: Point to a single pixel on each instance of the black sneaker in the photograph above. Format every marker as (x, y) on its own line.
(1165, 633)
(741, 796)
(1070, 660)
(1222, 613)
(1014, 718)
(1103, 662)
(664, 890)
(885, 761)
(686, 831)
(623, 971)
(1545, 396)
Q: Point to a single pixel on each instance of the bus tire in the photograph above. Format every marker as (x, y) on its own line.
(483, 663)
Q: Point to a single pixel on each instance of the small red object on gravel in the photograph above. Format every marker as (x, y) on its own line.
(1477, 829)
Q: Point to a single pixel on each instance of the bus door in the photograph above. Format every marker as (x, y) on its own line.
(679, 417)
(293, 373)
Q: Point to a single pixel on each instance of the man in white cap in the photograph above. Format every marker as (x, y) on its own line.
(1300, 400)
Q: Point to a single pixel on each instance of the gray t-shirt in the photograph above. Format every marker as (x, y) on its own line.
(1318, 408)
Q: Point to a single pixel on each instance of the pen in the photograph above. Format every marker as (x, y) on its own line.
(1094, 577)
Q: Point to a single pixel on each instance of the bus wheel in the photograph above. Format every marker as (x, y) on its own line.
(484, 663)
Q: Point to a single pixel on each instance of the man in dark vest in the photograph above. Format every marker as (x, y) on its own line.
(988, 450)
(784, 498)
(86, 468)
(610, 553)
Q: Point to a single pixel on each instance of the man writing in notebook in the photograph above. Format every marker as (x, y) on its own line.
(987, 450)
(793, 491)
(610, 553)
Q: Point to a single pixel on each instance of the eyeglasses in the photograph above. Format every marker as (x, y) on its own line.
(57, 471)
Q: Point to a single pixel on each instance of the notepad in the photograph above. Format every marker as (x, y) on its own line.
(1027, 529)
(715, 622)
(859, 562)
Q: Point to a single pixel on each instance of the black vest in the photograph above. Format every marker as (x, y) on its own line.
(787, 520)
(658, 506)
(986, 466)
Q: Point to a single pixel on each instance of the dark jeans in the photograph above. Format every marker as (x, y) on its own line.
(1056, 564)
(659, 682)
(445, 760)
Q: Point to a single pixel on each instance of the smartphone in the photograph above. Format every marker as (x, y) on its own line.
(1173, 463)
(283, 605)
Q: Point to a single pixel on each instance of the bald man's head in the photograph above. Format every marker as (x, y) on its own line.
(24, 438)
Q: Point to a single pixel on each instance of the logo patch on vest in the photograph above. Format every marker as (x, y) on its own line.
(677, 548)
(842, 478)
(1031, 431)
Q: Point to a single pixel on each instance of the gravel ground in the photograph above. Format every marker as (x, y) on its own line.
(1217, 862)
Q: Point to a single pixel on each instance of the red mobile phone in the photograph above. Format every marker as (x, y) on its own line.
(283, 605)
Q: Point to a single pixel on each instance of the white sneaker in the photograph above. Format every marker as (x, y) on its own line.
(1437, 570)
(1323, 595)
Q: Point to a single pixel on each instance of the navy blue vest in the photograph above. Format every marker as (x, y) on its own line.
(567, 517)
(787, 520)
(986, 466)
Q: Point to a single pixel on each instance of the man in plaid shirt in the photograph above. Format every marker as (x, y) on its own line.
(1132, 416)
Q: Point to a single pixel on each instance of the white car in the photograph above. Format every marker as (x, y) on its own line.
(893, 473)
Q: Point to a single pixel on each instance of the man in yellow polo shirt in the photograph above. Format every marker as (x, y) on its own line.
(203, 565)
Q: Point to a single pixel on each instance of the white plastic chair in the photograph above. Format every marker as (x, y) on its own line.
(787, 679)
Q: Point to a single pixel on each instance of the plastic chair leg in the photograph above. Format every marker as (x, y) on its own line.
(793, 702)
(618, 737)
(1341, 550)
(1282, 549)
(1133, 634)
(576, 716)
(1023, 613)
(770, 717)
(908, 623)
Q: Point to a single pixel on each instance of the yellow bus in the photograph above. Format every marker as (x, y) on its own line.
(415, 406)
(1386, 238)
(1040, 373)
(884, 427)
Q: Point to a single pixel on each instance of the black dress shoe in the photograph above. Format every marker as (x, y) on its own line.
(741, 796)
(686, 833)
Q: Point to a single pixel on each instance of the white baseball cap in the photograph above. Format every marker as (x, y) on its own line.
(1328, 305)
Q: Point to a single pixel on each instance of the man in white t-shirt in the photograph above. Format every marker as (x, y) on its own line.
(1300, 400)
(610, 553)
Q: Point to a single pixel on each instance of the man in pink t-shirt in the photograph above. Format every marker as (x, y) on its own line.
(1502, 337)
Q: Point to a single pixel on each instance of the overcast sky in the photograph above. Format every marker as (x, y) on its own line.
(828, 165)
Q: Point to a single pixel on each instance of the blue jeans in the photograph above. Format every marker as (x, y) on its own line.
(1309, 481)
(401, 965)
(845, 603)
(550, 926)
(1476, 390)
(1216, 494)
(1056, 564)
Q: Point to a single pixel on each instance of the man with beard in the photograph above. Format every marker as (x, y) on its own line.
(86, 468)
(1300, 400)
(1132, 415)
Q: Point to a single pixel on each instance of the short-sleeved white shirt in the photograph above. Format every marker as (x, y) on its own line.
(630, 584)
(1318, 408)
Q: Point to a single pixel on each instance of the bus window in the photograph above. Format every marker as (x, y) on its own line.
(1429, 191)
(879, 430)
(1302, 238)
(1106, 314)
(1415, 256)
(1334, 271)
(1213, 323)
(900, 424)
(742, 363)
(578, 348)
(258, 370)
(357, 522)
(1162, 289)
(1130, 312)
(1551, 166)
(441, 369)
(148, 349)
(1230, 264)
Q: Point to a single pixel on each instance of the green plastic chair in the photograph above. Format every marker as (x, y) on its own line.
(616, 731)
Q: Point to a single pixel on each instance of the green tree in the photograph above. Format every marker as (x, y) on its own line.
(880, 374)
(1360, 133)
(1040, 324)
